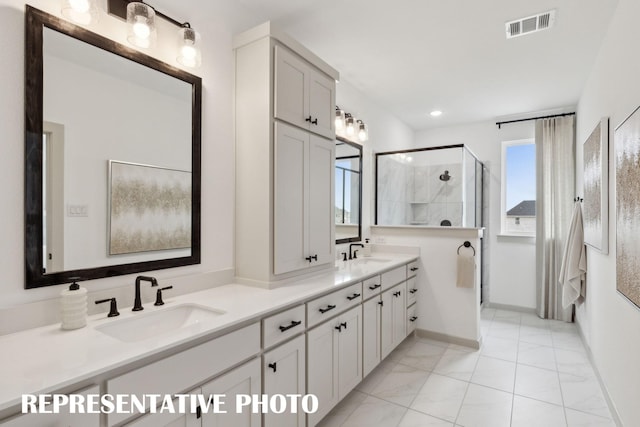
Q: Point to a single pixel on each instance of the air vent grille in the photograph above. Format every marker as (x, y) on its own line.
(530, 24)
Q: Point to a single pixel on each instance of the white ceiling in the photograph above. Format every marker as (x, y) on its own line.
(414, 56)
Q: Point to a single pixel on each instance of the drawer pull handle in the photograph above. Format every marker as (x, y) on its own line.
(414, 269)
(352, 297)
(413, 318)
(329, 308)
(312, 257)
(397, 294)
(381, 303)
(308, 119)
(315, 121)
(292, 325)
(374, 287)
(340, 326)
(272, 366)
(413, 291)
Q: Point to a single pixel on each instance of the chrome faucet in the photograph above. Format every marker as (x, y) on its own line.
(137, 303)
(354, 254)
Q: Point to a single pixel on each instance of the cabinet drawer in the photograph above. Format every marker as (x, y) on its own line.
(412, 268)
(412, 318)
(371, 287)
(412, 290)
(182, 371)
(393, 277)
(283, 325)
(336, 302)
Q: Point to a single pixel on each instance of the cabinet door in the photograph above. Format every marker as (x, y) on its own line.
(399, 314)
(291, 88)
(321, 204)
(349, 338)
(370, 334)
(386, 323)
(244, 379)
(284, 373)
(290, 203)
(322, 101)
(322, 370)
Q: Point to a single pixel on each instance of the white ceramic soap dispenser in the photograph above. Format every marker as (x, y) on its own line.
(73, 302)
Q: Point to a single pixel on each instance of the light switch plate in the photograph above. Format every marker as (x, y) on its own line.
(77, 210)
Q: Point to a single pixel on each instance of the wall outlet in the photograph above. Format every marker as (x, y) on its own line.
(77, 210)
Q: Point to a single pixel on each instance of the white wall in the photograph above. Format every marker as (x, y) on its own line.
(608, 321)
(511, 260)
(217, 147)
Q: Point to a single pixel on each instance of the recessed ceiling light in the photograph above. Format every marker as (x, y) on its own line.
(436, 113)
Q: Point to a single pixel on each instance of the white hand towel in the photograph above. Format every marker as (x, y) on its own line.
(466, 271)
(574, 260)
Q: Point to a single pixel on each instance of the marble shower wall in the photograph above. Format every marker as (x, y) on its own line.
(434, 200)
(393, 183)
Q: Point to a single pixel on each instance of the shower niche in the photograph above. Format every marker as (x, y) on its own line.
(435, 186)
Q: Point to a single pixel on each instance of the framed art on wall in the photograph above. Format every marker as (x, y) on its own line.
(596, 187)
(149, 208)
(627, 161)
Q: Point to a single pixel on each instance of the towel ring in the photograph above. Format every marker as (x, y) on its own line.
(467, 244)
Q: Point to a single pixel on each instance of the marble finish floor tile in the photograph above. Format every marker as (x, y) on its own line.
(375, 376)
(440, 397)
(536, 355)
(457, 364)
(485, 407)
(534, 413)
(583, 394)
(418, 419)
(574, 362)
(581, 419)
(400, 385)
(423, 355)
(536, 335)
(495, 373)
(374, 412)
(500, 348)
(540, 384)
(341, 412)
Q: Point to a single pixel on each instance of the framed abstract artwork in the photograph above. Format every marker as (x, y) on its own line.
(627, 162)
(596, 188)
(149, 208)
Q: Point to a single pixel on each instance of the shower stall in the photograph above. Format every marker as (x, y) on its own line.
(435, 186)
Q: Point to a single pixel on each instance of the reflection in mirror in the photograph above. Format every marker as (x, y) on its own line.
(348, 211)
(92, 104)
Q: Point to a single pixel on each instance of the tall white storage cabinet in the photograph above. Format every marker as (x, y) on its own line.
(285, 155)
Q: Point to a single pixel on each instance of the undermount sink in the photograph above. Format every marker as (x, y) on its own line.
(159, 323)
(364, 261)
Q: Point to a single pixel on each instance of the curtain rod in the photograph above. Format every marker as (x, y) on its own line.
(499, 124)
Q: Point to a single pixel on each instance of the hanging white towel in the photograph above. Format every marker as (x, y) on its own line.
(466, 271)
(574, 260)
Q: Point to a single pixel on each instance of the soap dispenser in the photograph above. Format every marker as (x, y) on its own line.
(367, 248)
(74, 306)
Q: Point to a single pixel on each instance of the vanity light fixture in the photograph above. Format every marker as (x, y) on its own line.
(83, 12)
(363, 132)
(189, 51)
(340, 120)
(350, 124)
(141, 25)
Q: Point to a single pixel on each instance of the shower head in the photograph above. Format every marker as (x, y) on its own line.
(445, 176)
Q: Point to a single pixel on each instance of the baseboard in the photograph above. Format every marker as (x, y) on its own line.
(475, 344)
(603, 386)
(508, 307)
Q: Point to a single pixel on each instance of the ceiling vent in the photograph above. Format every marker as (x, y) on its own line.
(530, 24)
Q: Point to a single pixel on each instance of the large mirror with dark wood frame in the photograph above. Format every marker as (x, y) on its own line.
(348, 180)
(112, 158)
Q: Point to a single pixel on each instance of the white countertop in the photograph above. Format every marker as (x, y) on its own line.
(46, 359)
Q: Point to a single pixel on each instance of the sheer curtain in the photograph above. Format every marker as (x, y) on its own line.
(555, 176)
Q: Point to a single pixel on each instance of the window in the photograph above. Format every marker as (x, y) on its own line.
(519, 188)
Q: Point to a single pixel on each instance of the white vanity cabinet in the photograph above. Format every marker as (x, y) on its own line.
(284, 162)
(334, 360)
(371, 334)
(284, 373)
(166, 419)
(64, 418)
(304, 96)
(393, 318)
(303, 194)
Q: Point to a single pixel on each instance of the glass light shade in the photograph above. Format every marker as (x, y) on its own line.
(340, 120)
(141, 25)
(363, 132)
(83, 12)
(351, 127)
(189, 53)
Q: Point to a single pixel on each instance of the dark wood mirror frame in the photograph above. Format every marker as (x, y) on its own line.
(36, 20)
(357, 238)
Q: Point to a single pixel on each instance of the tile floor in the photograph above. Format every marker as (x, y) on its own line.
(529, 372)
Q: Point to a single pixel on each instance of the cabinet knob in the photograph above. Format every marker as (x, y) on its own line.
(413, 318)
(381, 303)
(272, 366)
(315, 121)
(312, 257)
(397, 294)
(308, 119)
